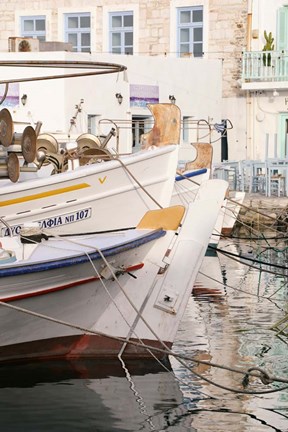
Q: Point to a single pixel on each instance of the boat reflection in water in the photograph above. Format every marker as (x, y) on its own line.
(225, 323)
(90, 395)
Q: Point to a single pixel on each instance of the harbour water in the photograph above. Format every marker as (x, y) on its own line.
(227, 322)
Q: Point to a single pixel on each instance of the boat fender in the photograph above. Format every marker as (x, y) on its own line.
(32, 233)
(6, 256)
(33, 238)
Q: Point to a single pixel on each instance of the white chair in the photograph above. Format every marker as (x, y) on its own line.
(276, 177)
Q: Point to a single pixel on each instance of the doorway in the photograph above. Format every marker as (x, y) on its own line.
(283, 135)
(140, 126)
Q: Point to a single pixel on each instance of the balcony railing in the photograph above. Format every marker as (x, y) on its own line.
(265, 66)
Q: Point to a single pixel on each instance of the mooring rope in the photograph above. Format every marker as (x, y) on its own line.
(138, 313)
(240, 290)
(241, 205)
(137, 181)
(254, 267)
(165, 350)
(241, 257)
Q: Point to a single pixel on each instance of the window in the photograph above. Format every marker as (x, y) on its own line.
(141, 125)
(185, 131)
(121, 32)
(282, 27)
(92, 123)
(78, 31)
(34, 26)
(190, 31)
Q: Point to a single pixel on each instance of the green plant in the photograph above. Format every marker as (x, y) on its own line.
(269, 46)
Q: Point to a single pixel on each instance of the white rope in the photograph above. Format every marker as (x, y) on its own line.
(117, 158)
(127, 339)
(139, 315)
(165, 350)
(252, 209)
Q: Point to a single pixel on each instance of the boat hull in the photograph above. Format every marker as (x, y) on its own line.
(67, 299)
(186, 186)
(84, 200)
(232, 211)
(57, 306)
(80, 347)
(68, 312)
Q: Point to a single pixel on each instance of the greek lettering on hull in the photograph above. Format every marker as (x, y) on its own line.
(53, 222)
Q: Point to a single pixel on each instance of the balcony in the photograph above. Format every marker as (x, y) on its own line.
(264, 70)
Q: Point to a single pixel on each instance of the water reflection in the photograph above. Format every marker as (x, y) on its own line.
(228, 321)
(90, 396)
(232, 328)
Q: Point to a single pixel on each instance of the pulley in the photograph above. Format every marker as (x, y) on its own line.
(24, 143)
(47, 143)
(6, 127)
(87, 141)
(10, 168)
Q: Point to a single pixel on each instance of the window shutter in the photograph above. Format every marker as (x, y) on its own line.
(282, 29)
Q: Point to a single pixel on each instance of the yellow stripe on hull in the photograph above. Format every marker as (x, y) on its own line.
(44, 194)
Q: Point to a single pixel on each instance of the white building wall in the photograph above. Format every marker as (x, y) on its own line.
(155, 36)
(264, 17)
(264, 109)
(195, 85)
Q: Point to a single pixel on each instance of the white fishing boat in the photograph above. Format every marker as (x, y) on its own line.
(195, 168)
(80, 190)
(232, 209)
(77, 190)
(93, 197)
(89, 182)
(190, 173)
(186, 192)
(98, 295)
(226, 220)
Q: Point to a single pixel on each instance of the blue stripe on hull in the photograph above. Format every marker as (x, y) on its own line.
(191, 174)
(66, 262)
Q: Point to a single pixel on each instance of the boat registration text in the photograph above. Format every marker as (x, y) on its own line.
(54, 221)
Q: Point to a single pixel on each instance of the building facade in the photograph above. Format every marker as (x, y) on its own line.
(264, 80)
(197, 52)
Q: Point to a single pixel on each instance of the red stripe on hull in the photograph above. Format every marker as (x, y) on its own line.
(63, 287)
(48, 290)
(77, 347)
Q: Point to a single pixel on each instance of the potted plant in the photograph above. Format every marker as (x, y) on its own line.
(269, 46)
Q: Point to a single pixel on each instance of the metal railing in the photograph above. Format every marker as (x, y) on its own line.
(265, 66)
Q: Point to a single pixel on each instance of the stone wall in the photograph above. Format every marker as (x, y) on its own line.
(227, 20)
(260, 214)
(227, 39)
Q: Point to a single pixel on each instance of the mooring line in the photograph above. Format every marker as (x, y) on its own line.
(236, 203)
(165, 350)
(248, 259)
